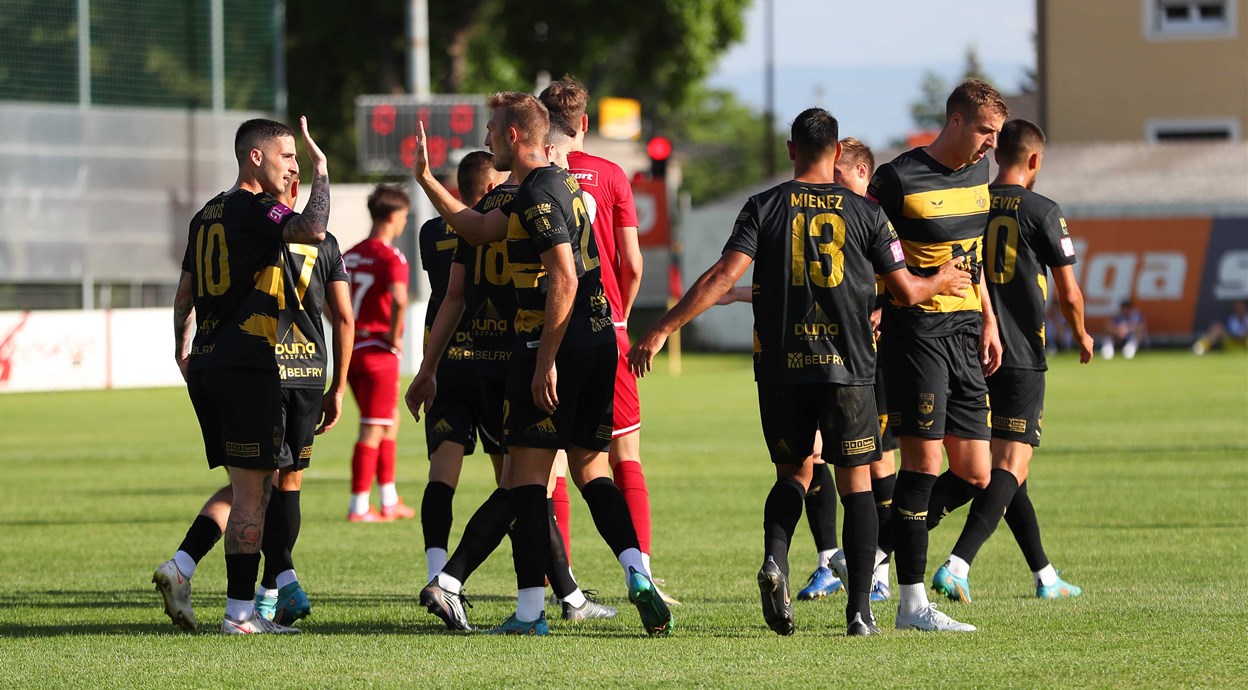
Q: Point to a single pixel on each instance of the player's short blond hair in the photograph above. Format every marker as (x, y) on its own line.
(854, 152)
(524, 112)
(972, 95)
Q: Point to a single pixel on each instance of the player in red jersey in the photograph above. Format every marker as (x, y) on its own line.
(615, 229)
(379, 294)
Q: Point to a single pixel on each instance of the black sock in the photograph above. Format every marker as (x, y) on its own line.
(558, 570)
(909, 520)
(240, 575)
(948, 494)
(821, 508)
(985, 514)
(200, 538)
(530, 535)
(275, 544)
(780, 515)
(610, 512)
(294, 516)
(860, 539)
(436, 514)
(1021, 517)
(882, 491)
(483, 533)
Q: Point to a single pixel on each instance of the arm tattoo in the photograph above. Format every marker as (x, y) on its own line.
(310, 226)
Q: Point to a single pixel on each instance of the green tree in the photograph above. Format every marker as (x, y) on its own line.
(928, 112)
(719, 140)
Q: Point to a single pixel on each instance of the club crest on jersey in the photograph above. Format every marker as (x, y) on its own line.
(927, 403)
(279, 211)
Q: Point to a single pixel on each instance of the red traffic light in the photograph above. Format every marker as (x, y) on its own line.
(659, 148)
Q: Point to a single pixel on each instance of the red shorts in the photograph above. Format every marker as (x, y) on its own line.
(374, 380)
(627, 414)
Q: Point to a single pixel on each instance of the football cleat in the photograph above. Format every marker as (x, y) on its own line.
(880, 591)
(398, 511)
(950, 585)
(860, 628)
(266, 606)
(515, 626)
(255, 626)
(446, 605)
(587, 611)
(931, 619)
(1058, 590)
(370, 516)
(774, 589)
(292, 605)
(821, 583)
(175, 589)
(655, 616)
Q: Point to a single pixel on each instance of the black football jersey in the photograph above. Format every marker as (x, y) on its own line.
(437, 246)
(816, 251)
(485, 337)
(1026, 234)
(939, 214)
(549, 209)
(233, 255)
(302, 350)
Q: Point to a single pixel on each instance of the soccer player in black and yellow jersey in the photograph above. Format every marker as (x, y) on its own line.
(816, 249)
(562, 377)
(1025, 238)
(938, 351)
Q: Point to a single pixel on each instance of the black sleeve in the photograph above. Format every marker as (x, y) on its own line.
(427, 241)
(463, 250)
(542, 215)
(744, 237)
(1053, 243)
(269, 215)
(886, 253)
(885, 189)
(332, 254)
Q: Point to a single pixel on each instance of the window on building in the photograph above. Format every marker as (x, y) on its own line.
(1193, 130)
(1188, 19)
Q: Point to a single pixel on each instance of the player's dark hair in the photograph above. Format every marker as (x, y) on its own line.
(474, 174)
(854, 152)
(970, 96)
(386, 200)
(253, 134)
(1018, 140)
(560, 130)
(566, 98)
(524, 112)
(814, 132)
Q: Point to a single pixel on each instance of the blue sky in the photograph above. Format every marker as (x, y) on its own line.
(864, 61)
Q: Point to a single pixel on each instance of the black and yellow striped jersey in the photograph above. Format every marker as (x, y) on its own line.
(939, 214)
(549, 209)
(233, 256)
(1026, 234)
(816, 251)
(485, 335)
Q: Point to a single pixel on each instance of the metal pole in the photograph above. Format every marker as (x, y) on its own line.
(418, 85)
(84, 53)
(279, 59)
(217, 20)
(769, 108)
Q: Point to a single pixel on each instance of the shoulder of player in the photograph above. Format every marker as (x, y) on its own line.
(433, 226)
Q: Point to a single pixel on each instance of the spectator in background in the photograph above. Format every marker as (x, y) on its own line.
(1233, 329)
(1127, 331)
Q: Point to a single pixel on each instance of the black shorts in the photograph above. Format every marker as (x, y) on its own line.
(936, 387)
(301, 411)
(467, 405)
(888, 439)
(585, 386)
(844, 415)
(1017, 404)
(241, 417)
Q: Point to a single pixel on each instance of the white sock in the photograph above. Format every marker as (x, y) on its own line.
(912, 598)
(266, 593)
(1129, 349)
(645, 559)
(186, 564)
(881, 573)
(449, 583)
(631, 558)
(530, 603)
(359, 503)
(880, 556)
(1046, 576)
(389, 495)
(576, 599)
(958, 567)
(239, 609)
(825, 557)
(435, 561)
(286, 577)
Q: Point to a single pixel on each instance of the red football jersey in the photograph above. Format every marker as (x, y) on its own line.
(374, 266)
(608, 185)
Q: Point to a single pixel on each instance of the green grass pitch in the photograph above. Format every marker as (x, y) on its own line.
(1141, 488)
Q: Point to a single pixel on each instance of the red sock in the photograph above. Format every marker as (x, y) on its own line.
(385, 462)
(563, 513)
(363, 468)
(632, 484)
